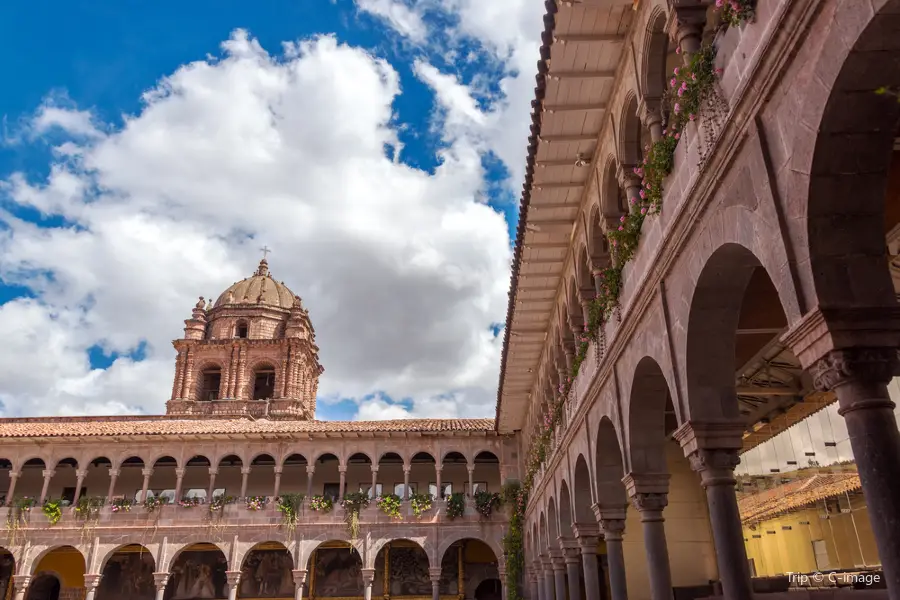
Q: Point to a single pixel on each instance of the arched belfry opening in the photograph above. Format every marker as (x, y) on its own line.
(264, 382)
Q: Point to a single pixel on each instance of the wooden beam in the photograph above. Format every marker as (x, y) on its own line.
(581, 75)
(761, 331)
(568, 162)
(555, 108)
(543, 261)
(564, 139)
(752, 390)
(531, 245)
(587, 38)
(550, 226)
(558, 185)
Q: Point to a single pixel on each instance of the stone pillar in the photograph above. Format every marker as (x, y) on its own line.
(368, 576)
(437, 478)
(91, 583)
(597, 274)
(651, 116)
(146, 473)
(535, 589)
(299, 582)
(113, 477)
(649, 495)
(245, 475)
(435, 574)
(310, 471)
(20, 585)
(859, 378)
(160, 580)
(373, 494)
(631, 183)
(612, 523)
(471, 469)
(213, 471)
(559, 574)
(233, 579)
(713, 450)
(572, 559)
(278, 471)
(689, 31)
(547, 578)
(179, 481)
(501, 573)
(48, 475)
(342, 469)
(406, 469)
(587, 535)
(11, 490)
(79, 481)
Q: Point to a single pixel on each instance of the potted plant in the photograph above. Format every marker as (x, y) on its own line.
(389, 505)
(456, 505)
(255, 503)
(420, 503)
(321, 503)
(486, 502)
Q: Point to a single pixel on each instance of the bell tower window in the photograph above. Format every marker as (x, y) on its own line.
(241, 330)
(210, 380)
(263, 383)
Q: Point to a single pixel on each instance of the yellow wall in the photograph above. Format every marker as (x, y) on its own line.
(792, 550)
(68, 563)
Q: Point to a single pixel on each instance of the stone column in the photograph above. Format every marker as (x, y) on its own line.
(587, 535)
(406, 469)
(310, 471)
(689, 31)
(160, 580)
(20, 585)
(612, 523)
(368, 576)
(501, 573)
(471, 470)
(245, 475)
(48, 475)
(233, 579)
(573, 568)
(213, 471)
(11, 490)
(79, 481)
(649, 495)
(631, 183)
(535, 587)
(91, 583)
(651, 117)
(179, 481)
(146, 473)
(113, 477)
(299, 582)
(713, 450)
(559, 573)
(435, 574)
(342, 470)
(278, 471)
(373, 494)
(549, 584)
(859, 378)
(438, 467)
(538, 580)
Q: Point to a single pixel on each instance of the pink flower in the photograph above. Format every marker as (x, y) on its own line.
(674, 82)
(615, 243)
(677, 49)
(677, 108)
(680, 92)
(643, 194)
(719, 71)
(632, 202)
(622, 219)
(665, 131)
(621, 228)
(693, 77)
(677, 136)
(719, 3)
(644, 210)
(676, 70)
(691, 116)
(684, 85)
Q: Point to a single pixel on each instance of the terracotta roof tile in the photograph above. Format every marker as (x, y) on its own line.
(796, 494)
(163, 425)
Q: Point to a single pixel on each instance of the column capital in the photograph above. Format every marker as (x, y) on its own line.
(822, 330)
(690, 19)
(279, 470)
(310, 469)
(213, 470)
(646, 483)
(114, 472)
(20, 582)
(147, 472)
(867, 365)
(715, 465)
(608, 511)
(406, 469)
(48, 473)
(232, 578)
(626, 176)
(342, 469)
(558, 561)
(649, 110)
(434, 573)
(81, 473)
(160, 580)
(14, 474)
(374, 468)
(299, 576)
(470, 468)
(92, 580)
(566, 543)
(245, 471)
(180, 472)
(572, 555)
(649, 504)
(697, 435)
(613, 529)
(368, 575)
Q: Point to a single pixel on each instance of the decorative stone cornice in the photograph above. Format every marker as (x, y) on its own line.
(716, 466)
(646, 483)
(609, 512)
(233, 578)
(650, 505)
(160, 580)
(434, 573)
(92, 580)
(299, 576)
(368, 576)
(868, 365)
(696, 435)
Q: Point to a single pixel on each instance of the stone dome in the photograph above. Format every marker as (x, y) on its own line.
(260, 289)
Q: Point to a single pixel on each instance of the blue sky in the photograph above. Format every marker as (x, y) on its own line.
(89, 159)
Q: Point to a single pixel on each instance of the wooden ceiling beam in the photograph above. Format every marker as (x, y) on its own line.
(587, 38)
(581, 75)
(555, 108)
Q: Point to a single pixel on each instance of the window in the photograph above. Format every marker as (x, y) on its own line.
(264, 383)
(367, 489)
(398, 489)
(69, 493)
(331, 490)
(241, 330)
(448, 489)
(210, 380)
(479, 486)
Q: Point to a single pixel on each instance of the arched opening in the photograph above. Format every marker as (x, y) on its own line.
(359, 473)
(656, 54)
(7, 570)
(31, 480)
(210, 383)
(336, 571)
(264, 382)
(196, 480)
(486, 474)
(479, 562)
(612, 198)
(390, 475)
(261, 480)
(130, 480)
(565, 511)
(293, 475)
(552, 524)
(610, 490)
(229, 476)
(44, 587)
(631, 135)
(267, 572)
(128, 574)
(65, 479)
(581, 487)
(241, 330)
(198, 572)
(489, 589)
(163, 480)
(401, 569)
(454, 476)
(97, 479)
(327, 476)
(422, 473)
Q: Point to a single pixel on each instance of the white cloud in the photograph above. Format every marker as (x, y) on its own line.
(73, 122)
(401, 18)
(403, 271)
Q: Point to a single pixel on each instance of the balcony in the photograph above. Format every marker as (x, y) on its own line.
(258, 409)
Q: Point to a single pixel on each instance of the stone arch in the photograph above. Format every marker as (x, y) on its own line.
(629, 133)
(289, 454)
(266, 570)
(650, 394)
(262, 382)
(231, 457)
(565, 510)
(613, 203)
(456, 450)
(43, 458)
(475, 573)
(208, 379)
(653, 57)
(409, 553)
(552, 522)
(598, 246)
(33, 564)
(162, 455)
(842, 149)
(573, 311)
(45, 585)
(208, 556)
(329, 454)
(581, 483)
(358, 454)
(348, 571)
(609, 466)
(583, 270)
(423, 543)
(127, 572)
(450, 538)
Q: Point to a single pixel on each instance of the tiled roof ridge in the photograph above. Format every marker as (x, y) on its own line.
(121, 418)
(767, 504)
(539, 90)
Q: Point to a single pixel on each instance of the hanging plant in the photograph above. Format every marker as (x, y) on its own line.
(321, 504)
(219, 502)
(353, 503)
(736, 12)
(189, 502)
(121, 505)
(52, 509)
(255, 503)
(420, 503)
(88, 508)
(486, 502)
(154, 502)
(289, 505)
(513, 542)
(456, 505)
(389, 505)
